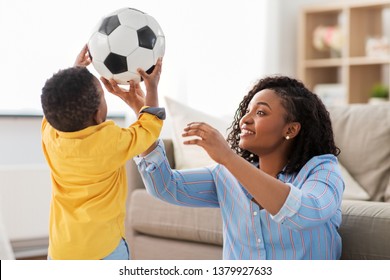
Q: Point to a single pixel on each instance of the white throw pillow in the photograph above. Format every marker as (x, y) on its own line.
(190, 156)
(353, 191)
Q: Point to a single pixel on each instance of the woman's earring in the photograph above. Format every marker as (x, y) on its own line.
(287, 137)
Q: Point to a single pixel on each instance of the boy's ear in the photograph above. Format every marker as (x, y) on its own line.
(292, 130)
(97, 119)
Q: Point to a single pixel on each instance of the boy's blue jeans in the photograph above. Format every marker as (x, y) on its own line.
(121, 252)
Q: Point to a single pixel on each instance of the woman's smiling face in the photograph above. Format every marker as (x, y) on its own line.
(264, 125)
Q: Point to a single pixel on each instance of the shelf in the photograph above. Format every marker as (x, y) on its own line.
(325, 62)
(363, 35)
(364, 60)
(332, 62)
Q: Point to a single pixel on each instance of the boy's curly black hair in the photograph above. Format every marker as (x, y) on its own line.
(303, 106)
(70, 98)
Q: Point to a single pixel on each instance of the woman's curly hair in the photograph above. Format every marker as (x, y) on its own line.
(303, 106)
(70, 99)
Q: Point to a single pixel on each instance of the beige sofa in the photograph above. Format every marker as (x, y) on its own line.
(157, 230)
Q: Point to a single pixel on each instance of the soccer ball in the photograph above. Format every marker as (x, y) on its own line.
(123, 41)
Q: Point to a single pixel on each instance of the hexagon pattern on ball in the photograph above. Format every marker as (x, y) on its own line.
(123, 41)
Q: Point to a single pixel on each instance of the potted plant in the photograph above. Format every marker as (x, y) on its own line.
(379, 93)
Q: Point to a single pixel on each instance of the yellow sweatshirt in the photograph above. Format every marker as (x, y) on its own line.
(89, 184)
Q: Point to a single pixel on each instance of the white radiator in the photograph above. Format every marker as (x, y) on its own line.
(25, 192)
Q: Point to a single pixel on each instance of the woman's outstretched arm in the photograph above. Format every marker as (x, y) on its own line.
(192, 187)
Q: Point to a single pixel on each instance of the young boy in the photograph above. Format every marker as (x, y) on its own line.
(87, 157)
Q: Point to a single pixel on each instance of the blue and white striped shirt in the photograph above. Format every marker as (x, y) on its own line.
(304, 228)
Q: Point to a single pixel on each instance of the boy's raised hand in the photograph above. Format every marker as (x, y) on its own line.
(134, 97)
(151, 83)
(83, 59)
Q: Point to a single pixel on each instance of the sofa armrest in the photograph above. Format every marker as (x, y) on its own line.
(365, 230)
(134, 179)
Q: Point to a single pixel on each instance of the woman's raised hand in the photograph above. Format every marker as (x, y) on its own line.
(209, 139)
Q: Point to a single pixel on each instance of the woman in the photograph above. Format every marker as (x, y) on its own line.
(278, 185)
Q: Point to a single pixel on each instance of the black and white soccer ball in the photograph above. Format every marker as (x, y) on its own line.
(124, 41)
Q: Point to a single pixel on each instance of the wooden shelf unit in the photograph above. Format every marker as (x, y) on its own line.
(353, 69)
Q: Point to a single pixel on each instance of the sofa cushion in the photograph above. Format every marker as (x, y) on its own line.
(190, 156)
(149, 247)
(151, 216)
(352, 190)
(365, 230)
(362, 132)
(387, 194)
